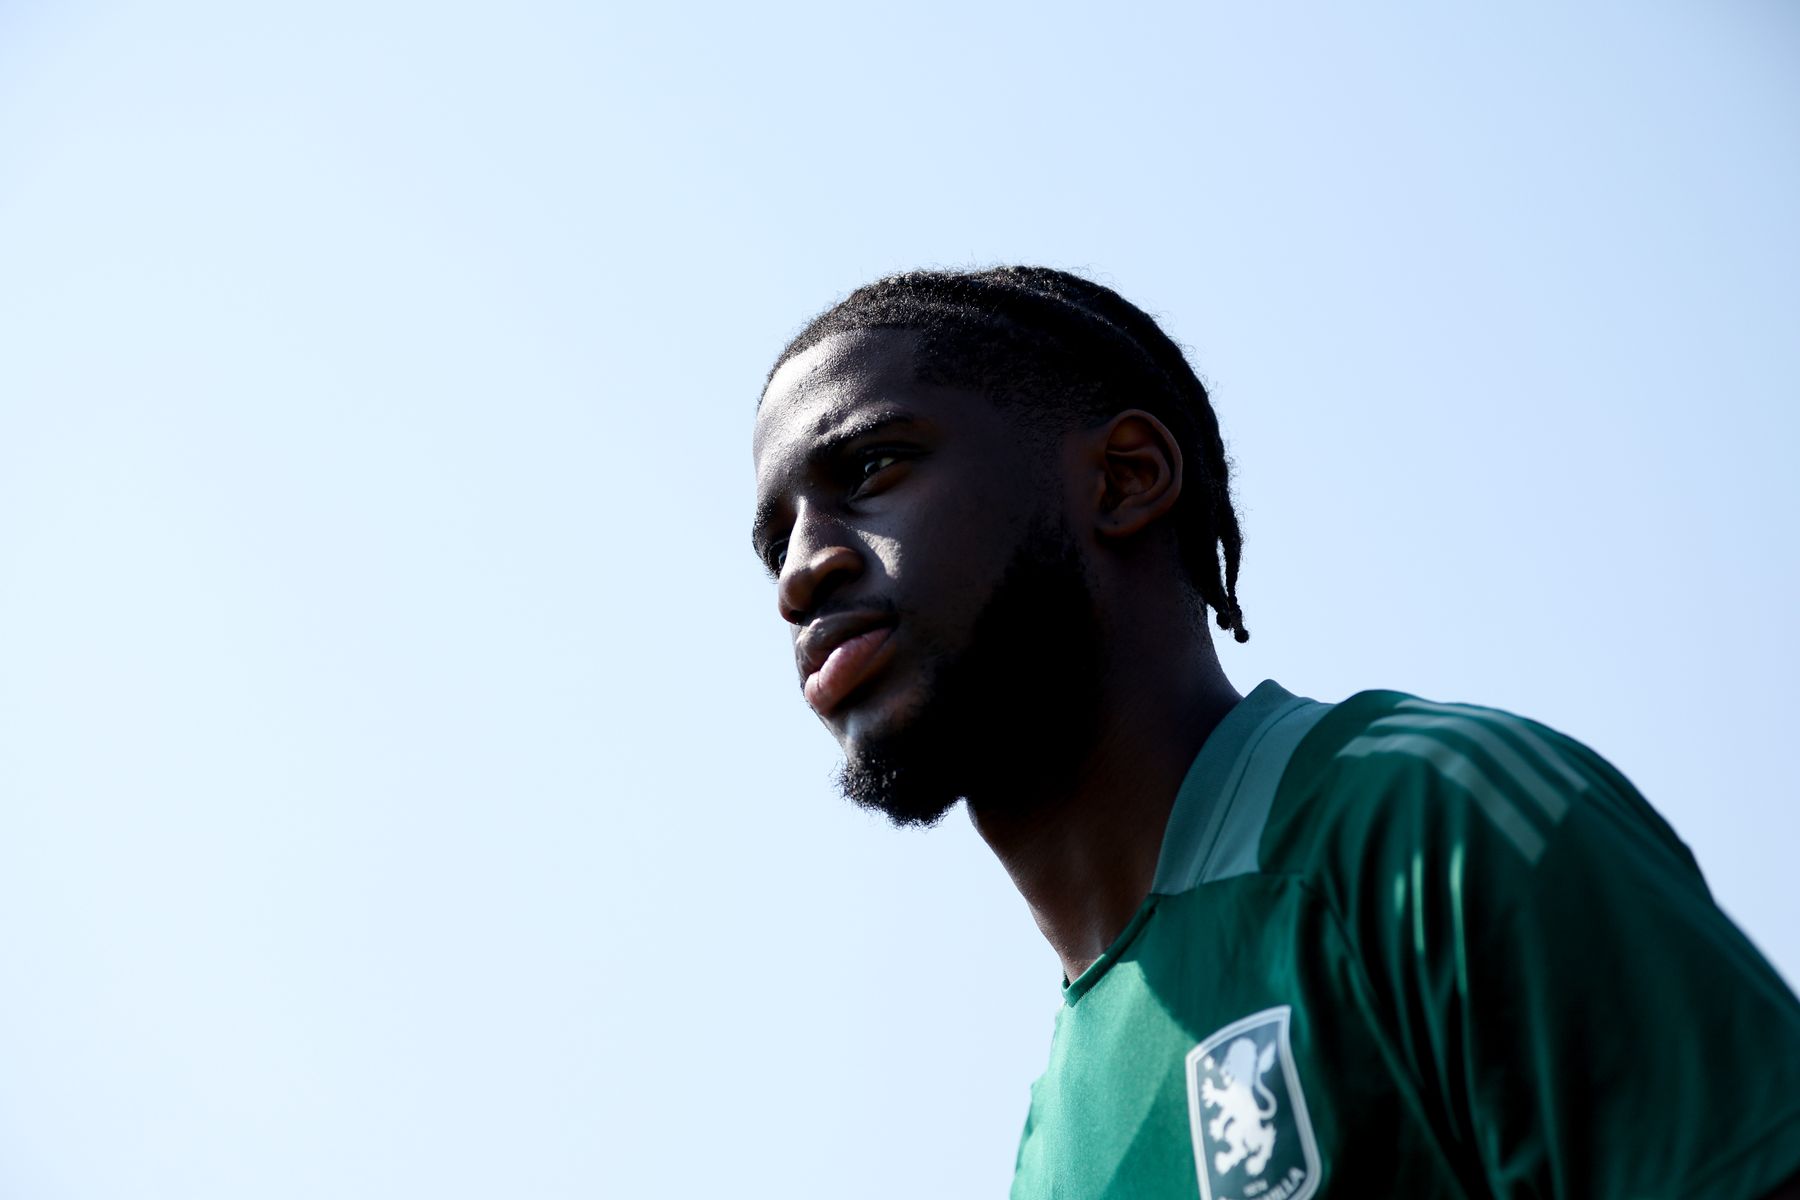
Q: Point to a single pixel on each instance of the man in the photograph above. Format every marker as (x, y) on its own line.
(1385, 947)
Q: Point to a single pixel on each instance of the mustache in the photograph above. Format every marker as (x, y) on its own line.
(880, 605)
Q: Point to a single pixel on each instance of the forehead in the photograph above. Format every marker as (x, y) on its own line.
(829, 384)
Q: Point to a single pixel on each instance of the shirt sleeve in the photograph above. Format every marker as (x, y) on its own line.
(1547, 971)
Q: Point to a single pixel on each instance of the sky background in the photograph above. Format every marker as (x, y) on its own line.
(404, 789)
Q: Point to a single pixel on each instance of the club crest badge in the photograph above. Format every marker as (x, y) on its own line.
(1252, 1139)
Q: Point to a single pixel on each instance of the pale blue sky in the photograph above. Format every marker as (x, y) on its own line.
(403, 785)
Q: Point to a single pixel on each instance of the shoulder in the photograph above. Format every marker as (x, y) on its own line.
(1387, 777)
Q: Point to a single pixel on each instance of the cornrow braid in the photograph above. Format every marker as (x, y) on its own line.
(1066, 349)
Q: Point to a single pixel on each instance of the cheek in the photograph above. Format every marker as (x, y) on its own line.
(888, 551)
(944, 550)
(942, 581)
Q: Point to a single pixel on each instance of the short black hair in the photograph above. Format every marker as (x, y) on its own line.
(1068, 350)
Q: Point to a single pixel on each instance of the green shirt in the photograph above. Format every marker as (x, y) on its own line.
(1397, 949)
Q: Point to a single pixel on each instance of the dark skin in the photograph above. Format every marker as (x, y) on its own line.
(884, 499)
(910, 514)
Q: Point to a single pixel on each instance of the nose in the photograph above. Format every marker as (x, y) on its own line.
(820, 559)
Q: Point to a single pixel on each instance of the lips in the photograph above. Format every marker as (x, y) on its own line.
(838, 654)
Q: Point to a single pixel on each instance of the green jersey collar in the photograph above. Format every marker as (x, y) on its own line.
(1224, 801)
(1221, 808)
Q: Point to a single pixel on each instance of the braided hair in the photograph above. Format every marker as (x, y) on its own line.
(1066, 350)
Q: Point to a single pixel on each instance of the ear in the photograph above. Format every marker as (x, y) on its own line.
(1140, 473)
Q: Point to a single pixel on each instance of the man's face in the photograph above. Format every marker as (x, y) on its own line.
(921, 555)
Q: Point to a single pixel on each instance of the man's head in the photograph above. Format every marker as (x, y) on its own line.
(962, 480)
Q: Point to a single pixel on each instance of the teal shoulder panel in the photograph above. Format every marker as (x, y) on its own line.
(1224, 801)
(1235, 853)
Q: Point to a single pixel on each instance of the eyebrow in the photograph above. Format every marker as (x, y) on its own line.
(825, 446)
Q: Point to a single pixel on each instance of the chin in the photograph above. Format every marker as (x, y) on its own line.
(899, 758)
(909, 793)
(878, 722)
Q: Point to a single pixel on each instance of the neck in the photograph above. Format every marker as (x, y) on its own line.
(1082, 848)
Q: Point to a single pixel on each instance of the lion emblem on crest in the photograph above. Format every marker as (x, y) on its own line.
(1253, 1139)
(1245, 1106)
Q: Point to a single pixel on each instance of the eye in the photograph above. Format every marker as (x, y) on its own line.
(775, 557)
(867, 466)
(877, 462)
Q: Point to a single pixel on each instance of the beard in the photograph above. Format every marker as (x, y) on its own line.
(1019, 704)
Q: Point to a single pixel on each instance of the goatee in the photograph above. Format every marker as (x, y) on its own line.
(1019, 703)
